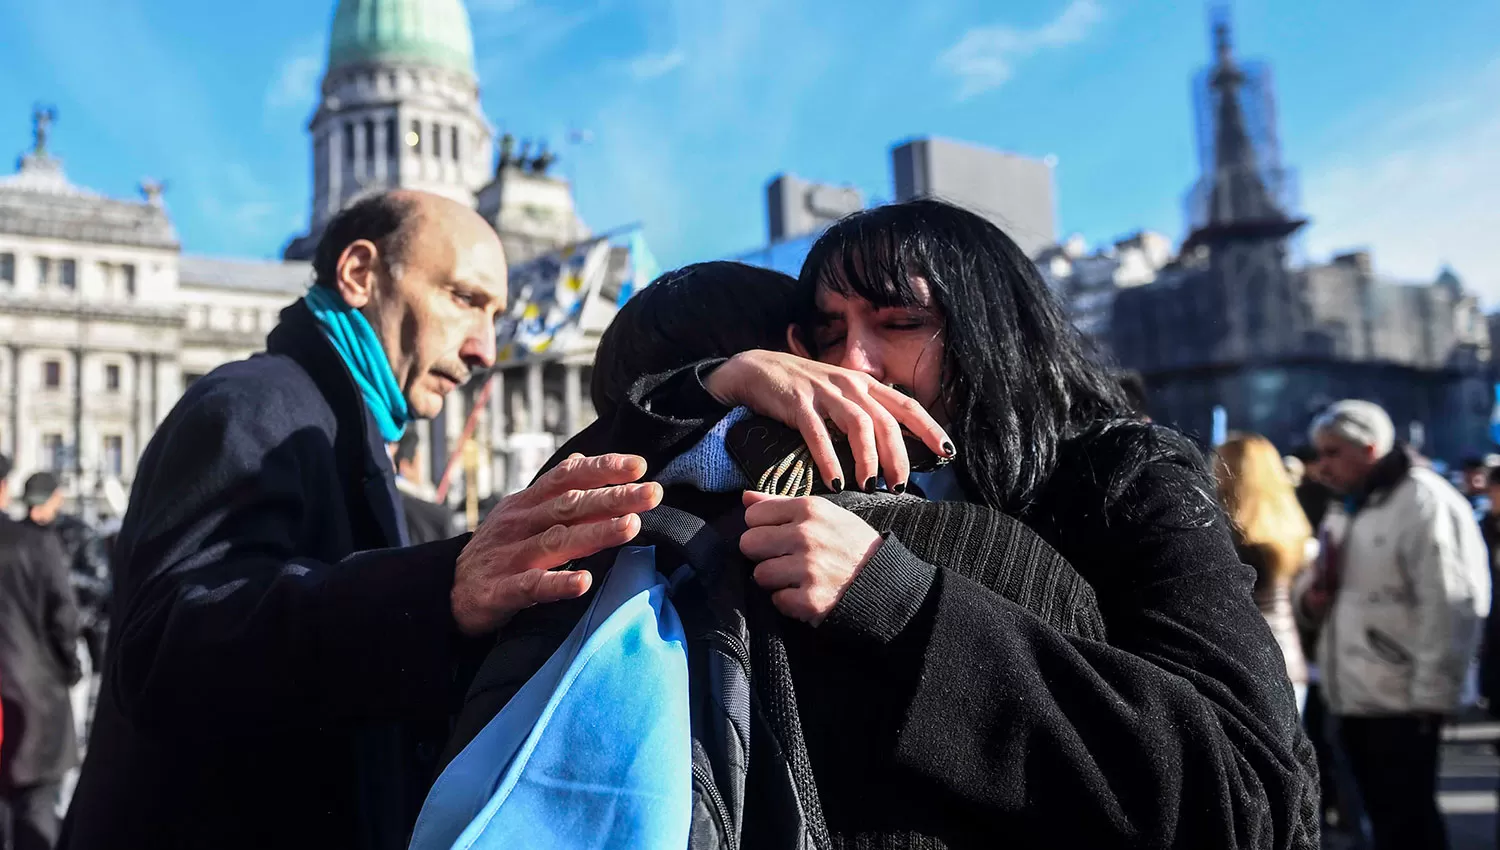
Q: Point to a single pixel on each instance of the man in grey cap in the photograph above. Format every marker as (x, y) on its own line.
(1402, 587)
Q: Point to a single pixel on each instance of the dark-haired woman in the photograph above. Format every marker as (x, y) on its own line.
(986, 727)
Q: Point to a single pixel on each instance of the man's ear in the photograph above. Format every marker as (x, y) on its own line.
(794, 342)
(354, 276)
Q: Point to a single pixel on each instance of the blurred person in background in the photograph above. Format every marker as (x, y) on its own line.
(39, 662)
(1312, 494)
(1402, 584)
(1270, 534)
(426, 520)
(1474, 475)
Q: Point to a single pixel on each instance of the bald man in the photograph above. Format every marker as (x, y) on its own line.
(284, 667)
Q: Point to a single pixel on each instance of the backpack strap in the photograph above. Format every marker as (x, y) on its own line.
(688, 538)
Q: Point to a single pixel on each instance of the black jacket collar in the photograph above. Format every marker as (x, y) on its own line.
(359, 446)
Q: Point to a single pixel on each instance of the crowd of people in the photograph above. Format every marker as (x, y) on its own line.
(1015, 611)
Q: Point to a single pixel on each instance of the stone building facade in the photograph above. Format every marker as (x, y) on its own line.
(103, 322)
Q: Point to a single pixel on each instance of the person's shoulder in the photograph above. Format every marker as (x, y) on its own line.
(264, 389)
(25, 535)
(1431, 490)
(9, 528)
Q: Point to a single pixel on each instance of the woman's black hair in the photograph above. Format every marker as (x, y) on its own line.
(1018, 381)
(697, 312)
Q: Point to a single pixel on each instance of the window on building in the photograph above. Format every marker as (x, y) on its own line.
(369, 148)
(67, 274)
(127, 272)
(43, 271)
(188, 378)
(52, 374)
(414, 138)
(391, 137)
(112, 377)
(54, 456)
(453, 144)
(8, 269)
(437, 141)
(349, 145)
(114, 455)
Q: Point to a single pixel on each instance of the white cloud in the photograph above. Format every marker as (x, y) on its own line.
(1419, 193)
(649, 66)
(986, 57)
(295, 85)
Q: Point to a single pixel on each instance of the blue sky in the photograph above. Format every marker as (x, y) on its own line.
(1390, 110)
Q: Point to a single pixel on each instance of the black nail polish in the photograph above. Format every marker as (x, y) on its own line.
(899, 488)
(948, 449)
(838, 485)
(870, 484)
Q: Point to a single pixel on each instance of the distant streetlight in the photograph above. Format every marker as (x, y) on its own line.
(412, 138)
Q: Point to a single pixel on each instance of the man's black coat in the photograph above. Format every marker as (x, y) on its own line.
(38, 657)
(266, 686)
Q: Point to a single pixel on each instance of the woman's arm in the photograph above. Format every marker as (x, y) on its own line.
(1180, 731)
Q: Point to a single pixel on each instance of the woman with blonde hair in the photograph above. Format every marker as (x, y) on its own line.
(1271, 533)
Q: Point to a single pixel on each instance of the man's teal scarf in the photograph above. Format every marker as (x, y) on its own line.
(355, 341)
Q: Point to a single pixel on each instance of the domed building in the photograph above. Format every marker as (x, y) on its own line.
(104, 320)
(399, 109)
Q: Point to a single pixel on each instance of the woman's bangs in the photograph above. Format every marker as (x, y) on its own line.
(860, 260)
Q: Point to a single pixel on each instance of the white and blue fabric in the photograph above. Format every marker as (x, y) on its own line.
(594, 752)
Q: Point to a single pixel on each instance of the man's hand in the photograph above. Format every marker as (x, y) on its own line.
(808, 551)
(583, 506)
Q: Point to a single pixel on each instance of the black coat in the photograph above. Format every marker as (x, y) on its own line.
(38, 656)
(426, 521)
(1180, 731)
(266, 686)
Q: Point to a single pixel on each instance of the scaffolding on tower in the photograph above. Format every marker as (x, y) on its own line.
(1244, 190)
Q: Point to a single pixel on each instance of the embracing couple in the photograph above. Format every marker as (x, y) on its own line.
(946, 690)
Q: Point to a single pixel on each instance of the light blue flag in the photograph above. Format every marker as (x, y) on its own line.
(643, 267)
(1221, 425)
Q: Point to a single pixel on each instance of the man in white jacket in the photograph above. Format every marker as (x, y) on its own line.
(1400, 593)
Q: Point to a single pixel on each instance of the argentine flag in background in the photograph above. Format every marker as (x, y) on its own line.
(643, 267)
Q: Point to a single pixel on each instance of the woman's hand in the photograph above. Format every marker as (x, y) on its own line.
(805, 394)
(807, 550)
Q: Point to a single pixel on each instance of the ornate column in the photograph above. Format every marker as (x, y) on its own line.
(15, 403)
(140, 431)
(499, 482)
(534, 398)
(382, 163)
(78, 422)
(572, 398)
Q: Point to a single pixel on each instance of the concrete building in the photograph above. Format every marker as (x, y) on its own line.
(796, 207)
(1087, 281)
(1014, 192)
(1230, 323)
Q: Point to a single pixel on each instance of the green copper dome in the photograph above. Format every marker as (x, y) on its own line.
(428, 32)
